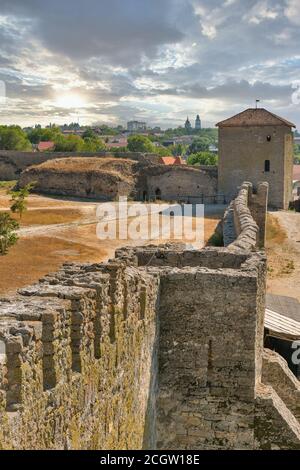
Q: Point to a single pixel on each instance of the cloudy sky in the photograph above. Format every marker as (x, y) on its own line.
(110, 61)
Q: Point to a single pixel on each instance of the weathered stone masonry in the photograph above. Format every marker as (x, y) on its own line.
(244, 224)
(160, 347)
(80, 350)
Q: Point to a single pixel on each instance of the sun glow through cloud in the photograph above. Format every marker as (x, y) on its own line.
(70, 101)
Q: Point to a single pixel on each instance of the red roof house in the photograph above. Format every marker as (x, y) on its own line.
(45, 146)
(296, 173)
(172, 160)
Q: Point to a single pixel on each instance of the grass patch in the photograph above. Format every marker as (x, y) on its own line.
(287, 268)
(32, 258)
(47, 217)
(7, 184)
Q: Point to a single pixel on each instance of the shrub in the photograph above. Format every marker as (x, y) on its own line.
(8, 236)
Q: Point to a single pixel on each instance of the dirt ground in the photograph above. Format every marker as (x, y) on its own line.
(283, 250)
(55, 230)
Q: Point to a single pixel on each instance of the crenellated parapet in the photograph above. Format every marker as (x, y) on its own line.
(76, 363)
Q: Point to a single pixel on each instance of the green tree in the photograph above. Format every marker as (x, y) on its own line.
(38, 134)
(8, 236)
(19, 199)
(202, 158)
(93, 144)
(119, 149)
(69, 143)
(178, 150)
(14, 138)
(140, 143)
(162, 151)
(89, 133)
(200, 144)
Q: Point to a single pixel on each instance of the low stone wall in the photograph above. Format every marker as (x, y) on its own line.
(276, 373)
(244, 224)
(275, 427)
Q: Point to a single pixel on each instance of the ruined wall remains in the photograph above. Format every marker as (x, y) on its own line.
(13, 163)
(244, 223)
(182, 183)
(108, 178)
(94, 178)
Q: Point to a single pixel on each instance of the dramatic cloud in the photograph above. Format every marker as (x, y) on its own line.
(158, 60)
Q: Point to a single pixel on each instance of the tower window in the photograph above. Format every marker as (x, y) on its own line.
(267, 166)
(269, 138)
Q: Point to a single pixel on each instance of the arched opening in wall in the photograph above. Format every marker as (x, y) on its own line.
(269, 138)
(158, 193)
(267, 166)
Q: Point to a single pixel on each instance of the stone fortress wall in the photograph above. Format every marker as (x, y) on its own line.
(244, 224)
(147, 179)
(161, 347)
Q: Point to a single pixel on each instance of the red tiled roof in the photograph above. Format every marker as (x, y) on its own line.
(48, 145)
(172, 160)
(296, 172)
(255, 117)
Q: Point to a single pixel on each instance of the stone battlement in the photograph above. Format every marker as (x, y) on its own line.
(159, 348)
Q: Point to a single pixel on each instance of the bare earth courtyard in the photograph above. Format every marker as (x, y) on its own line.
(54, 231)
(283, 250)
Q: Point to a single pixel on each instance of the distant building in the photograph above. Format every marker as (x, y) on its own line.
(136, 126)
(45, 146)
(79, 132)
(168, 143)
(198, 122)
(187, 124)
(213, 149)
(296, 181)
(255, 146)
(116, 143)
